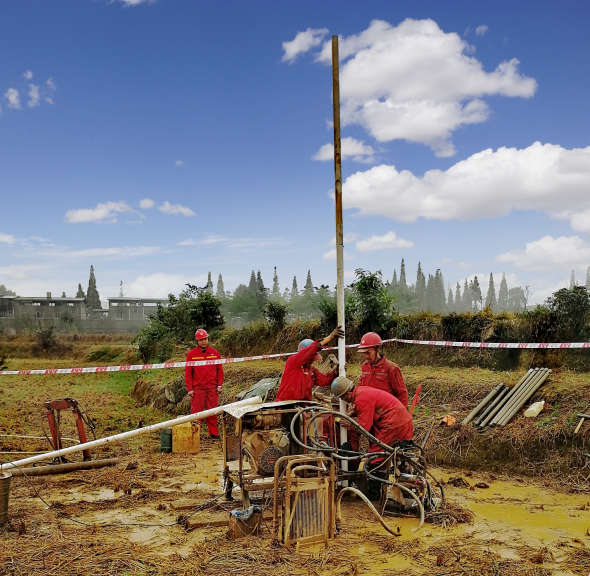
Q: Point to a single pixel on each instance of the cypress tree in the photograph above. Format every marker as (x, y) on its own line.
(308, 288)
(402, 276)
(80, 293)
(503, 294)
(63, 295)
(92, 295)
(220, 293)
(573, 280)
(491, 296)
(294, 289)
(260, 284)
(458, 303)
(450, 301)
(588, 278)
(209, 287)
(430, 297)
(476, 290)
(420, 289)
(394, 281)
(276, 291)
(467, 298)
(252, 286)
(439, 292)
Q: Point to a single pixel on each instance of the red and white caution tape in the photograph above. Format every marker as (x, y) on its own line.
(165, 365)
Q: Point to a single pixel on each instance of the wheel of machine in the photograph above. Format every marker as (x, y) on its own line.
(268, 458)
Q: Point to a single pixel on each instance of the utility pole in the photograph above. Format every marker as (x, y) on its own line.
(339, 225)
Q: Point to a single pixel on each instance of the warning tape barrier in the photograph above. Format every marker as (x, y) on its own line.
(166, 365)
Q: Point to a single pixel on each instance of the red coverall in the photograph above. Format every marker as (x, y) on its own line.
(204, 380)
(300, 376)
(381, 414)
(385, 375)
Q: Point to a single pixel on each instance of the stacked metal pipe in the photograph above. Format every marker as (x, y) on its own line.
(503, 403)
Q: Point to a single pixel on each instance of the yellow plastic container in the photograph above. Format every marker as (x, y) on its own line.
(186, 438)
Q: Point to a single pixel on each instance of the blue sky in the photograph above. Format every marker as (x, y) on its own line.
(162, 140)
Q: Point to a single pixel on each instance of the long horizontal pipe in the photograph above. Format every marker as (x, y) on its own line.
(529, 394)
(506, 398)
(64, 468)
(492, 405)
(516, 399)
(130, 434)
(517, 393)
(487, 399)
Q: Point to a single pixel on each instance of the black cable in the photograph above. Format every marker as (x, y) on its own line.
(62, 515)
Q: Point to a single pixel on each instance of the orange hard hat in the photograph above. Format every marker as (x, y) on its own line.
(369, 340)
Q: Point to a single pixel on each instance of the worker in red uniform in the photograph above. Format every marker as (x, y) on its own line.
(378, 412)
(299, 376)
(204, 382)
(379, 372)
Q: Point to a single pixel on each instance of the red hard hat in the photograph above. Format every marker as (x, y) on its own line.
(369, 340)
(200, 334)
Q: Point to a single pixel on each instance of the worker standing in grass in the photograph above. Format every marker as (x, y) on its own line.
(377, 411)
(379, 372)
(204, 382)
(300, 376)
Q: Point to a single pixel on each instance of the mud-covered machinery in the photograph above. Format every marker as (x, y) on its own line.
(264, 441)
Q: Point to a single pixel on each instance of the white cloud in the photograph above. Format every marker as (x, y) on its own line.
(415, 82)
(13, 97)
(34, 96)
(146, 203)
(303, 42)
(331, 255)
(179, 163)
(100, 213)
(351, 148)
(350, 237)
(175, 209)
(187, 242)
(548, 253)
(129, 3)
(124, 251)
(7, 238)
(28, 75)
(159, 285)
(488, 184)
(481, 30)
(388, 241)
(51, 85)
(447, 260)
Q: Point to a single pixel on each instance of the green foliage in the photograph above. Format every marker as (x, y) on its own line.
(176, 324)
(46, 336)
(370, 305)
(103, 354)
(327, 306)
(92, 296)
(571, 307)
(275, 313)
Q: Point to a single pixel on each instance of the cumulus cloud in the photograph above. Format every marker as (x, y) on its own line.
(331, 255)
(106, 212)
(175, 209)
(548, 253)
(417, 83)
(7, 238)
(13, 97)
(28, 75)
(303, 42)
(488, 184)
(34, 96)
(388, 241)
(352, 148)
(159, 285)
(179, 163)
(481, 30)
(146, 203)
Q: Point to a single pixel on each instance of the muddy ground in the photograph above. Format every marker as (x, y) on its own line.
(532, 519)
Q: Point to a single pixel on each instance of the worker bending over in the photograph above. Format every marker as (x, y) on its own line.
(204, 382)
(379, 372)
(378, 412)
(300, 376)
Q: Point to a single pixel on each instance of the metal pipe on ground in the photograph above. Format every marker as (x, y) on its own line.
(63, 468)
(522, 393)
(531, 392)
(483, 403)
(124, 435)
(495, 402)
(513, 390)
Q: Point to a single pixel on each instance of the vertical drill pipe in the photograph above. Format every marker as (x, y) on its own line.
(339, 224)
(487, 399)
(529, 394)
(522, 391)
(493, 404)
(513, 390)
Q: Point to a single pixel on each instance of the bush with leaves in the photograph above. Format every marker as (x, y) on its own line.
(369, 304)
(275, 312)
(571, 308)
(45, 334)
(176, 324)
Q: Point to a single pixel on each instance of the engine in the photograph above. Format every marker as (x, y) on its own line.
(264, 447)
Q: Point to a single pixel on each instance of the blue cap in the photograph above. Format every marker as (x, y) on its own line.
(304, 344)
